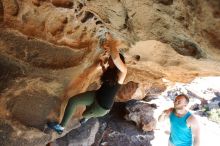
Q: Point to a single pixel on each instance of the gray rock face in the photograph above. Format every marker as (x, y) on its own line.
(116, 131)
(113, 130)
(82, 136)
(47, 45)
(142, 114)
(124, 133)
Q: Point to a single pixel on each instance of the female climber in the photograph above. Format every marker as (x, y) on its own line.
(98, 103)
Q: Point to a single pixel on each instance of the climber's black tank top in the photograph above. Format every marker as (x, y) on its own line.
(105, 95)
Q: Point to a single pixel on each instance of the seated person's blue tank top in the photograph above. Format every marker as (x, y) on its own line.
(180, 133)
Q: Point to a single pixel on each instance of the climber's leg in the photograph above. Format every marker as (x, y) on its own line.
(86, 99)
(95, 110)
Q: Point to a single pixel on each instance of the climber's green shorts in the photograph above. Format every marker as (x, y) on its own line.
(93, 109)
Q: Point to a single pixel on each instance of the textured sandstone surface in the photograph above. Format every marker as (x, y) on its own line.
(45, 45)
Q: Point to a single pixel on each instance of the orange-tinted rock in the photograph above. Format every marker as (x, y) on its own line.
(45, 46)
(63, 3)
(36, 2)
(11, 7)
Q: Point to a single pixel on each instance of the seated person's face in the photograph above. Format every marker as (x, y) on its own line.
(180, 102)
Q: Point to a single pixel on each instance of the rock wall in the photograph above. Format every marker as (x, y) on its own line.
(47, 45)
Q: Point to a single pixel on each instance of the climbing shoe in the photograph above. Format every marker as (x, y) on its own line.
(56, 127)
(83, 121)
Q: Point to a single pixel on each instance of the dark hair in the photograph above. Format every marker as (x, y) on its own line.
(185, 96)
(111, 74)
(122, 57)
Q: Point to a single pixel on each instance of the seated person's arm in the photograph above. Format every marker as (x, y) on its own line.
(194, 125)
(165, 115)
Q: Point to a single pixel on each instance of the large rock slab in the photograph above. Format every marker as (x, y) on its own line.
(47, 45)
